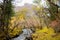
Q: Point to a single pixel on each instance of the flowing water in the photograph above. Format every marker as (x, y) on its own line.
(26, 33)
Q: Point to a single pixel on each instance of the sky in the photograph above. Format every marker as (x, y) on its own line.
(22, 2)
(0, 0)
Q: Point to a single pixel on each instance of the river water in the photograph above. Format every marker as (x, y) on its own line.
(26, 33)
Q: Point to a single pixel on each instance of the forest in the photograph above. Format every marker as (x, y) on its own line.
(29, 19)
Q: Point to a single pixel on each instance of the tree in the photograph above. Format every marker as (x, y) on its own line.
(42, 12)
(52, 8)
(6, 15)
(53, 12)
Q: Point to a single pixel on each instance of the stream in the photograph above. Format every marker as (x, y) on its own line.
(26, 33)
